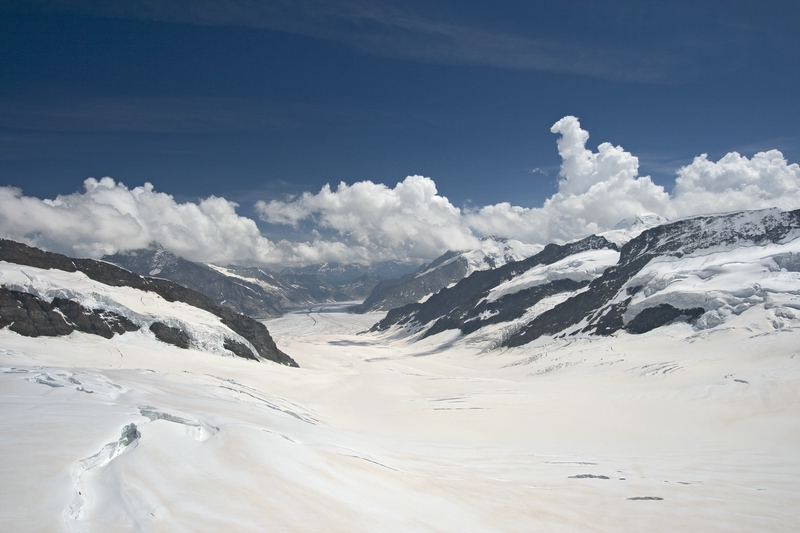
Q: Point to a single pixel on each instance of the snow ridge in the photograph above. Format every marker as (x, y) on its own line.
(700, 270)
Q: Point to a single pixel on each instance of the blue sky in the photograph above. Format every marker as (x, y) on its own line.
(253, 101)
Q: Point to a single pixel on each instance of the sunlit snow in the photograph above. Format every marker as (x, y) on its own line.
(583, 266)
(673, 430)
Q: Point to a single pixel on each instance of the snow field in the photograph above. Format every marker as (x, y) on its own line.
(375, 434)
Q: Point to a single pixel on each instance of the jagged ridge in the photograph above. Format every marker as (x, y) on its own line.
(444, 271)
(599, 301)
(461, 306)
(604, 306)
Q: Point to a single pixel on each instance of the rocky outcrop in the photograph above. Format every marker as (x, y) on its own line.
(465, 306)
(237, 348)
(175, 336)
(661, 315)
(109, 274)
(31, 316)
(97, 321)
(605, 302)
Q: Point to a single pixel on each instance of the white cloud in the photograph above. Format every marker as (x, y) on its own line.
(410, 220)
(597, 190)
(372, 222)
(108, 217)
(735, 182)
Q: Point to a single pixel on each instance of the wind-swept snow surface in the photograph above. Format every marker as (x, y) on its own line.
(671, 430)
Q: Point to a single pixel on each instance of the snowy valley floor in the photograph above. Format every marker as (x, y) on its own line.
(673, 430)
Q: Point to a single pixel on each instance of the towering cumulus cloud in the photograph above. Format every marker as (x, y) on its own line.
(369, 222)
(595, 192)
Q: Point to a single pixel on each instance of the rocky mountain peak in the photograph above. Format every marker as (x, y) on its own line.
(684, 270)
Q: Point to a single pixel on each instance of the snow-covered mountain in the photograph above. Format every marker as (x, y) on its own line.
(699, 270)
(47, 294)
(255, 292)
(345, 275)
(628, 228)
(444, 271)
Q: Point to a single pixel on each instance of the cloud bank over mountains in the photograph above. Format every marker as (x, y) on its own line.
(367, 222)
(108, 217)
(598, 189)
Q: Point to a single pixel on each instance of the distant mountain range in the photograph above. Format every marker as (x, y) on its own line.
(260, 293)
(257, 292)
(642, 275)
(341, 275)
(697, 270)
(494, 252)
(48, 294)
(443, 272)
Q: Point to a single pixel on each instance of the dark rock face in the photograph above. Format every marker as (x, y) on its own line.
(96, 321)
(239, 349)
(31, 316)
(463, 306)
(661, 315)
(410, 288)
(255, 332)
(676, 239)
(170, 335)
(21, 254)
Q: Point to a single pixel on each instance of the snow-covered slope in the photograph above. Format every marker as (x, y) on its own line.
(702, 269)
(444, 272)
(672, 430)
(45, 294)
(681, 427)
